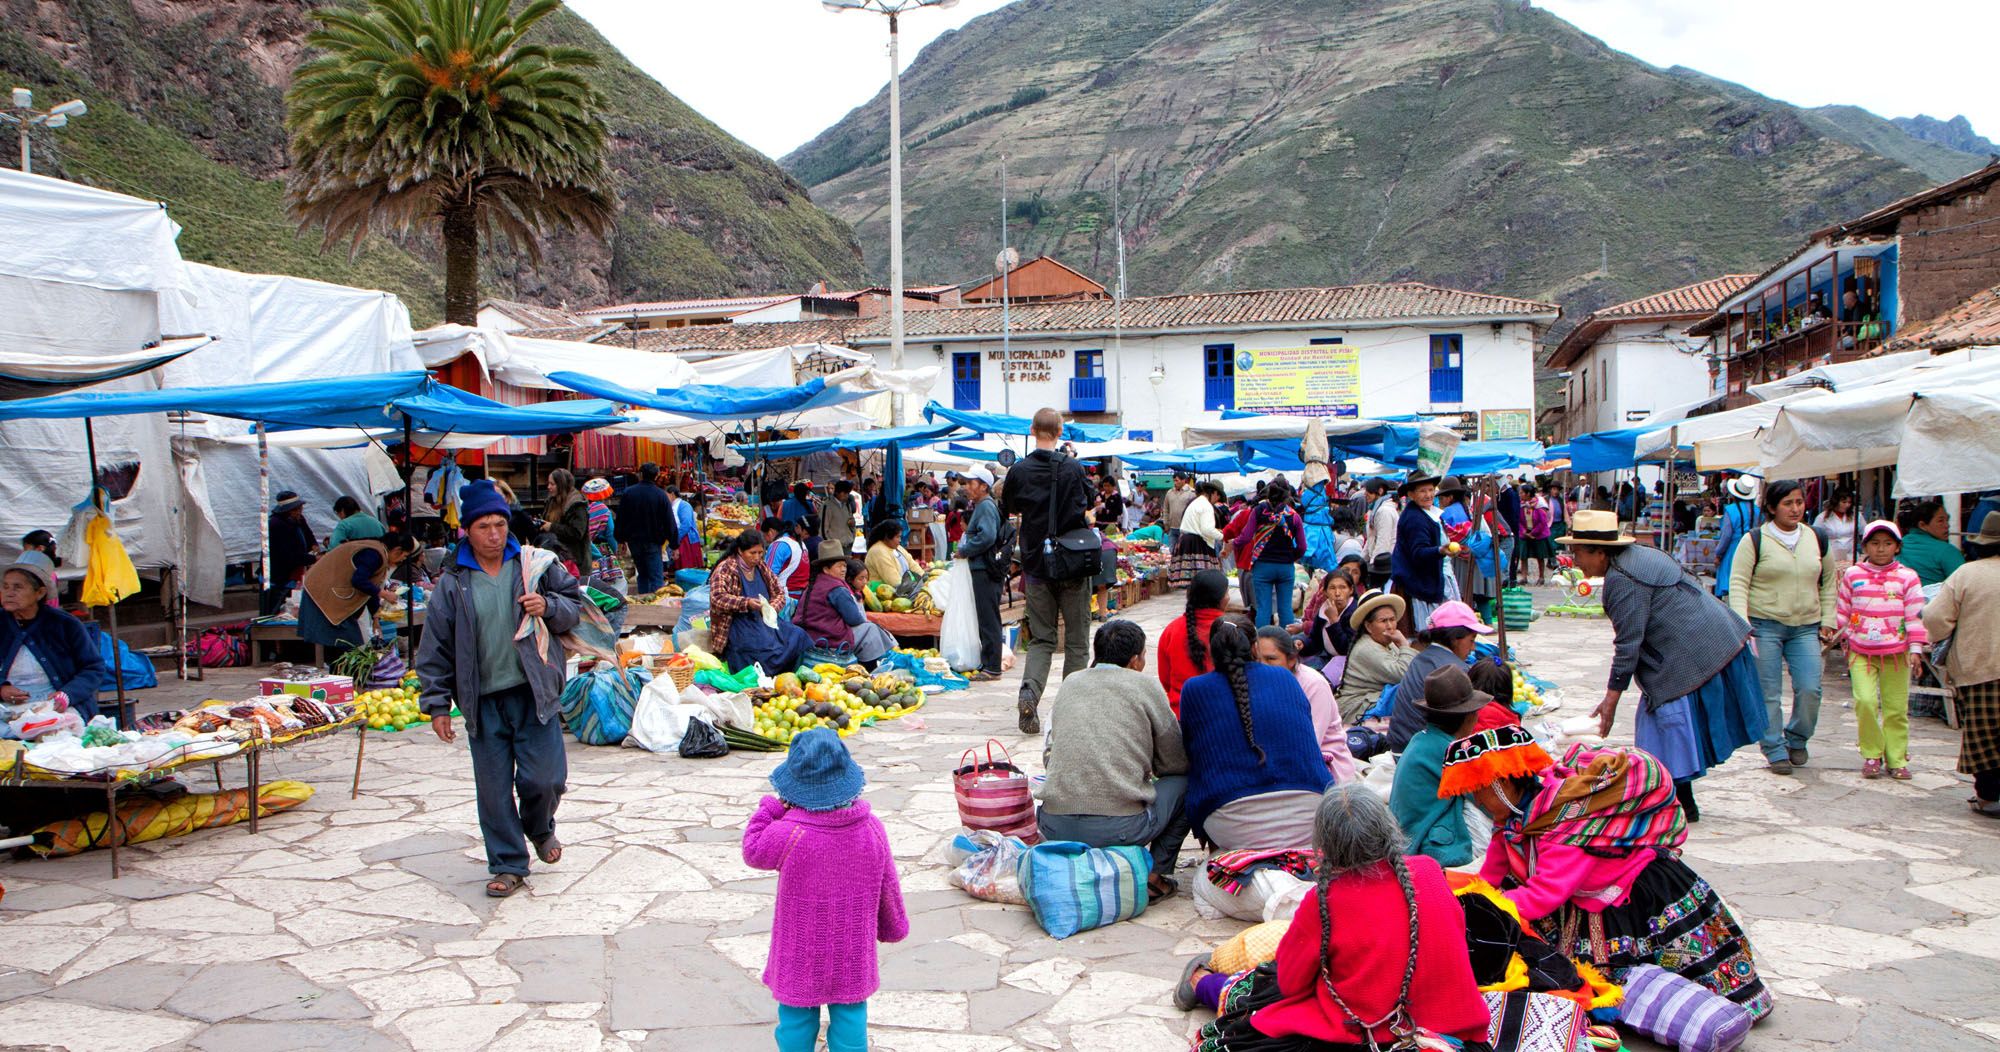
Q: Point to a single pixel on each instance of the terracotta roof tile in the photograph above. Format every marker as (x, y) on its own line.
(577, 333)
(1973, 323)
(1687, 303)
(735, 303)
(533, 315)
(1196, 312)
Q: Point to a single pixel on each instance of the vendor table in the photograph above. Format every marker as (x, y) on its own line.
(653, 615)
(913, 625)
(264, 632)
(22, 778)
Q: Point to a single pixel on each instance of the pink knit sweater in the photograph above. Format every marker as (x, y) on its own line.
(1879, 609)
(838, 895)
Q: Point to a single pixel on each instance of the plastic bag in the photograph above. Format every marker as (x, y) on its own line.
(694, 607)
(702, 741)
(958, 639)
(725, 682)
(989, 872)
(656, 727)
(110, 576)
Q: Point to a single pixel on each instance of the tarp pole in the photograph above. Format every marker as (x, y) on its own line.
(111, 611)
(264, 503)
(409, 514)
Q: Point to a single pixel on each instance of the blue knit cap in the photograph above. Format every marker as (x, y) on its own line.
(818, 774)
(478, 499)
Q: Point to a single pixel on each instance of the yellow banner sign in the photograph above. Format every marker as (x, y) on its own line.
(1322, 380)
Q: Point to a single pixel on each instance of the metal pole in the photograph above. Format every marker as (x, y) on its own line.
(1006, 317)
(27, 164)
(409, 593)
(1118, 303)
(895, 219)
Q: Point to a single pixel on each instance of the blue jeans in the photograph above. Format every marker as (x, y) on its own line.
(515, 755)
(1781, 647)
(649, 574)
(1271, 590)
(846, 1028)
(1161, 828)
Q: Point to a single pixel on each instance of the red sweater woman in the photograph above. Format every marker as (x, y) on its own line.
(1184, 642)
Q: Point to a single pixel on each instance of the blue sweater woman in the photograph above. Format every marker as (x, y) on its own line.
(63, 647)
(1223, 764)
(1417, 564)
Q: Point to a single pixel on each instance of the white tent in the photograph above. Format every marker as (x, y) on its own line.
(1951, 442)
(1865, 428)
(1842, 376)
(1210, 427)
(525, 362)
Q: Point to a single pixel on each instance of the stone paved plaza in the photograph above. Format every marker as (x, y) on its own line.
(363, 924)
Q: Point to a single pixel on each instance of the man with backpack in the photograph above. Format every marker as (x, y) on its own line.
(987, 546)
(1049, 492)
(490, 645)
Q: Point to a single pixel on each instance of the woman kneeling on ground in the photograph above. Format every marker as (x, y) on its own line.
(1395, 966)
(1589, 852)
(832, 616)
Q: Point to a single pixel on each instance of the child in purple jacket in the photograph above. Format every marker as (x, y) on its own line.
(838, 894)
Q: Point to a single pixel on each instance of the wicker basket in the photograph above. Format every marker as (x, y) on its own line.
(682, 675)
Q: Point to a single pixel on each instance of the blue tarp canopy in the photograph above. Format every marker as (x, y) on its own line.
(882, 438)
(1606, 450)
(374, 401)
(713, 402)
(1485, 458)
(1204, 460)
(1001, 424)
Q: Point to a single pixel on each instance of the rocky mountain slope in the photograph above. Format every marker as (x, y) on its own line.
(1476, 143)
(1930, 150)
(186, 106)
(1956, 133)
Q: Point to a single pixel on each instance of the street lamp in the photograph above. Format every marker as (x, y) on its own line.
(24, 115)
(893, 9)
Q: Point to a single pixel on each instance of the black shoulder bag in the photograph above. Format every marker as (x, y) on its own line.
(1076, 554)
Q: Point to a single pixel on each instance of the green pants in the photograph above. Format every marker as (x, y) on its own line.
(1882, 707)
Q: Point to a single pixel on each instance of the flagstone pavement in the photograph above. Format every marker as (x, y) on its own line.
(362, 924)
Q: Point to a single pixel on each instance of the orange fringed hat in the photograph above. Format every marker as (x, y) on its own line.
(1479, 760)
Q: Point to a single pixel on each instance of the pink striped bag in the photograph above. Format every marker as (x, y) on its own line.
(995, 794)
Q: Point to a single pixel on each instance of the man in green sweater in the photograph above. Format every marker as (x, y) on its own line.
(1116, 768)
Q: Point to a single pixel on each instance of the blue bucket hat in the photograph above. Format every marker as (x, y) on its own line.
(818, 775)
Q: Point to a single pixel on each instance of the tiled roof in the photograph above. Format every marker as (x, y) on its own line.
(737, 303)
(749, 336)
(1974, 323)
(533, 315)
(1687, 303)
(1199, 312)
(577, 333)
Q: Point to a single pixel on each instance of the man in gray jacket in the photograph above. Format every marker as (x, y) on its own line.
(506, 683)
(989, 568)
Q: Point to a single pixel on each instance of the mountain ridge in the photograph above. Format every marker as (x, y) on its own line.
(1482, 144)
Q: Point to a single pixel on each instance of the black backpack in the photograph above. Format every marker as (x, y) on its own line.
(1001, 557)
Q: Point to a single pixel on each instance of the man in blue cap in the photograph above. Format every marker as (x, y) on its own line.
(483, 649)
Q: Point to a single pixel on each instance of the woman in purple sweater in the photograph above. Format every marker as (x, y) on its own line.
(838, 894)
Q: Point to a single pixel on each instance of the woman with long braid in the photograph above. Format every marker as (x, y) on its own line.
(1254, 766)
(1184, 642)
(1375, 954)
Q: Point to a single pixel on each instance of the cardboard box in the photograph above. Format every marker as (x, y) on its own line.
(922, 516)
(338, 689)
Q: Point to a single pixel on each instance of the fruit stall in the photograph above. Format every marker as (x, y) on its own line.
(844, 698)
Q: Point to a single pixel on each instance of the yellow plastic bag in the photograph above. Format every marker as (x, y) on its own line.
(111, 576)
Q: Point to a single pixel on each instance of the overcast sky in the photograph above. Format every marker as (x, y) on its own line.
(775, 73)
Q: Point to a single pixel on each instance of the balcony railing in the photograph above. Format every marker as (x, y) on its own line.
(1086, 394)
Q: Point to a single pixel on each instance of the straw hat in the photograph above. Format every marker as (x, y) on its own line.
(1372, 600)
(1596, 527)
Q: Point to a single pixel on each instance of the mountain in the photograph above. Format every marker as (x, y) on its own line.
(1932, 154)
(186, 106)
(1956, 133)
(1482, 144)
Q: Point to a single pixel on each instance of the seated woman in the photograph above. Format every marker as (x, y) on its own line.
(888, 560)
(1377, 947)
(1588, 851)
(343, 583)
(1325, 634)
(1254, 774)
(1449, 640)
(1436, 825)
(1183, 651)
(744, 628)
(1492, 676)
(1274, 646)
(1379, 657)
(832, 616)
(45, 654)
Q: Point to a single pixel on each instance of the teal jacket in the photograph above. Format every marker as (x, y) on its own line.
(1435, 827)
(1932, 559)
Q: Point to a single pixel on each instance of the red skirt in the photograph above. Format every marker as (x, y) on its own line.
(689, 555)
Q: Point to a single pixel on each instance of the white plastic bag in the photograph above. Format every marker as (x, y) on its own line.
(958, 639)
(657, 726)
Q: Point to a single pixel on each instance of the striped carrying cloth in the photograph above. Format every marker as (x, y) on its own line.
(1609, 801)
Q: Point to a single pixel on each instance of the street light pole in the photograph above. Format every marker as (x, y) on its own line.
(23, 115)
(893, 9)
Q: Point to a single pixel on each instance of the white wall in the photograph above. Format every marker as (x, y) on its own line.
(489, 318)
(1395, 371)
(788, 310)
(1635, 370)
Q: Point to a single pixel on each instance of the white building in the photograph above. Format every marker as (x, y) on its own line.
(1153, 363)
(1630, 360)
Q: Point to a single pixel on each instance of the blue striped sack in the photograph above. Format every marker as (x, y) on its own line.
(1074, 887)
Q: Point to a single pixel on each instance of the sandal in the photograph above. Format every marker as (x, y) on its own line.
(504, 884)
(1160, 887)
(1185, 997)
(549, 850)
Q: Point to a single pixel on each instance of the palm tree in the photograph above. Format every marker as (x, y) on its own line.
(421, 111)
